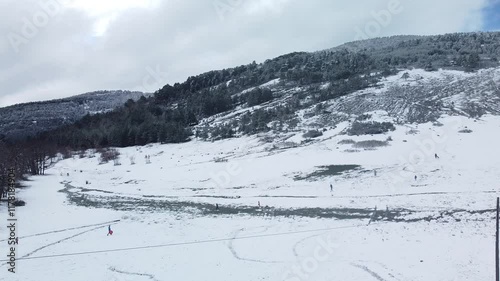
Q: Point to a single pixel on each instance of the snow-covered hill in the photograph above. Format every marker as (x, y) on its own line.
(395, 212)
(310, 178)
(410, 96)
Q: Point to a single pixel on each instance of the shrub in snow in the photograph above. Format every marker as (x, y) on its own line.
(91, 153)
(370, 144)
(412, 132)
(465, 131)
(268, 139)
(347, 141)
(19, 203)
(363, 117)
(66, 153)
(370, 128)
(285, 145)
(312, 134)
(259, 96)
(107, 155)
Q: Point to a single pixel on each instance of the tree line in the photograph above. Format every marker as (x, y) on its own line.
(25, 158)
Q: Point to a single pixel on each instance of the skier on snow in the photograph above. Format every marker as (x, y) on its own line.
(110, 232)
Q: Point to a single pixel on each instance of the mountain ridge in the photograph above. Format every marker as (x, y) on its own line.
(27, 119)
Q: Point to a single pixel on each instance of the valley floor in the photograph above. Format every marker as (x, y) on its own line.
(277, 217)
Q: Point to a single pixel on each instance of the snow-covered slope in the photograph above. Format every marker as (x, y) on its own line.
(410, 96)
(395, 210)
(424, 96)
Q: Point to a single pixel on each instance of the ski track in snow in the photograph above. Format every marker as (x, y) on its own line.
(149, 276)
(59, 241)
(66, 229)
(389, 271)
(369, 271)
(56, 242)
(235, 253)
(295, 252)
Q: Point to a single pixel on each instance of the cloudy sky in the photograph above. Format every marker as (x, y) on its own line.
(58, 48)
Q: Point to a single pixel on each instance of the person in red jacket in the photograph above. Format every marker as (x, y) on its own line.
(110, 232)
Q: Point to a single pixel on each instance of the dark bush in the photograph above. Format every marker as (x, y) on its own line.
(107, 155)
(312, 134)
(363, 117)
(370, 144)
(19, 203)
(370, 128)
(259, 96)
(347, 141)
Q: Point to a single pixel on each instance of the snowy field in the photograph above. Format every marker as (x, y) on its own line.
(394, 212)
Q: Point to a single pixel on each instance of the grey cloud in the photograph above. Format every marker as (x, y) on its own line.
(188, 37)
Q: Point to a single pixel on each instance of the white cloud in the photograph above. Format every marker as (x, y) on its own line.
(104, 12)
(109, 44)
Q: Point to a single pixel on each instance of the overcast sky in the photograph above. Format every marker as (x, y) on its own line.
(58, 48)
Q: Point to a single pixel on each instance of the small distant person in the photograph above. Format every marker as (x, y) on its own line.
(258, 202)
(375, 172)
(331, 187)
(216, 206)
(415, 177)
(110, 232)
(436, 156)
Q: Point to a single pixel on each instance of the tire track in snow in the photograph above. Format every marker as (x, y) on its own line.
(149, 276)
(59, 241)
(378, 196)
(67, 229)
(369, 271)
(237, 256)
(295, 253)
(55, 243)
(124, 203)
(297, 196)
(388, 270)
(374, 274)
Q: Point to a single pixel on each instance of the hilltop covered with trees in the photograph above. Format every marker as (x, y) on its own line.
(168, 115)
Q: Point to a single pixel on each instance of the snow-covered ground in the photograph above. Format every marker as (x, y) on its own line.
(378, 222)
